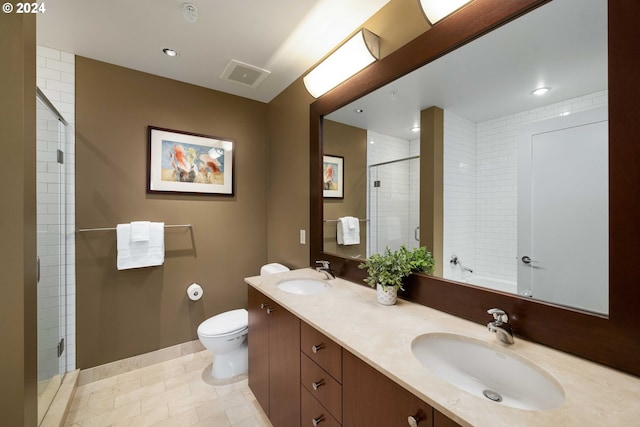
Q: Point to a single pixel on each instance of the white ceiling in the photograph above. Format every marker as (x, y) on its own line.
(285, 37)
(563, 45)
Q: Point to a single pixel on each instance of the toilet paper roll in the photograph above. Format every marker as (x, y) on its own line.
(194, 291)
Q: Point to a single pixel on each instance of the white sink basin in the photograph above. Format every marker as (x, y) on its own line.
(304, 286)
(488, 371)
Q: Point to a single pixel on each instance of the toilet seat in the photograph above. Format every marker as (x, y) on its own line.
(227, 323)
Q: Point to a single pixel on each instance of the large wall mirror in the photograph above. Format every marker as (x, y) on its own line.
(524, 182)
(538, 195)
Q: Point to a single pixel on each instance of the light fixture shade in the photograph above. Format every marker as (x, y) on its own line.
(355, 54)
(435, 10)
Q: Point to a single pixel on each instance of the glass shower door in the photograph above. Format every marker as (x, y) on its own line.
(51, 219)
(394, 211)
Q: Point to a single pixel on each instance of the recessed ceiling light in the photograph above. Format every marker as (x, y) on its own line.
(540, 91)
(372, 142)
(359, 110)
(564, 113)
(169, 52)
(415, 129)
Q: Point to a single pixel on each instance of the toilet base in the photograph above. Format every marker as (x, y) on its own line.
(231, 364)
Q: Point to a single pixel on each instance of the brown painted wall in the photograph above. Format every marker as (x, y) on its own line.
(129, 312)
(351, 143)
(18, 357)
(399, 22)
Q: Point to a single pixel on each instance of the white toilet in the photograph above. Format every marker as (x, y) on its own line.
(225, 335)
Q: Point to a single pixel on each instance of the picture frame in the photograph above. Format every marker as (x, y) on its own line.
(181, 162)
(332, 176)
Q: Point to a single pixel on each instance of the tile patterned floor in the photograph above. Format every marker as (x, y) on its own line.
(177, 393)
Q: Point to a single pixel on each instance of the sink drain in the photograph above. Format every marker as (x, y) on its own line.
(492, 395)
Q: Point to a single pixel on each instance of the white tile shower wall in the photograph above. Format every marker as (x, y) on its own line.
(495, 236)
(56, 78)
(459, 227)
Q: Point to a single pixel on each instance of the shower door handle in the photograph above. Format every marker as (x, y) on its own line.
(416, 233)
(37, 270)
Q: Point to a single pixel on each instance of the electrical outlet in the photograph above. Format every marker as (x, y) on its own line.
(303, 237)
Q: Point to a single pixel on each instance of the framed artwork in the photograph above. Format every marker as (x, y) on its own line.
(333, 176)
(184, 162)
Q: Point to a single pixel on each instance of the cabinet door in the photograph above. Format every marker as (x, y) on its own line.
(284, 368)
(258, 341)
(440, 420)
(373, 400)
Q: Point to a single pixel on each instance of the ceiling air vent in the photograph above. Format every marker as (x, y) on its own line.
(244, 74)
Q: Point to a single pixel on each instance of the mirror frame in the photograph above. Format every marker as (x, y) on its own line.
(612, 340)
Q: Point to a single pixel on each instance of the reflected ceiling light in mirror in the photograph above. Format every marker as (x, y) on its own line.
(435, 10)
(540, 91)
(170, 52)
(355, 54)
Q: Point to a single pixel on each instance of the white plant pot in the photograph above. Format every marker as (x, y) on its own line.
(388, 297)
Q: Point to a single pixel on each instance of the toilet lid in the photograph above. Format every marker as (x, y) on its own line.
(225, 323)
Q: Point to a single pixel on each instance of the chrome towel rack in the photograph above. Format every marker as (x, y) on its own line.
(82, 230)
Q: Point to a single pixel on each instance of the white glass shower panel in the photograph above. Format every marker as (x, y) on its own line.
(568, 246)
(50, 180)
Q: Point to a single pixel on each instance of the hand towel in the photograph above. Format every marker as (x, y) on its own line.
(140, 231)
(348, 231)
(136, 254)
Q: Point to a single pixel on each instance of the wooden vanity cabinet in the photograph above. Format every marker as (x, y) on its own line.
(274, 359)
(287, 357)
(321, 379)
(371, 399)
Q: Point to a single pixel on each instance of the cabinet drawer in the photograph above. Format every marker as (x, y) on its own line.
(322, 386)
(313, 414)
(321, 350)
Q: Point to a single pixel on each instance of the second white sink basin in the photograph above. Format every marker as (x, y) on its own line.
(303, 286)
(488, 371)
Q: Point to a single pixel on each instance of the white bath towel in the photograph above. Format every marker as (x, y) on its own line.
(140, 231)
(348, 231)
(136, 254)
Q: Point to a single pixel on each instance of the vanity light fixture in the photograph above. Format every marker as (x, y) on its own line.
(540, 91)
(435, 10)
(355, 54)
(170, 52)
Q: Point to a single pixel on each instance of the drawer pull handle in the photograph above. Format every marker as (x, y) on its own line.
(271, 310)
(317, 421)
(317, 384)
(317, 348)
(413, 420)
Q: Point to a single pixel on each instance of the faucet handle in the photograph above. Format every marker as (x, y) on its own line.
(499, 315)
(323, 264)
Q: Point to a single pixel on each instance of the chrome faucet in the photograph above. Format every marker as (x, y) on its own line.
(456, 261)
(325, 267)
(501, 326)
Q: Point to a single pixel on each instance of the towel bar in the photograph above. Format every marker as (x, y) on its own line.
(82, 230)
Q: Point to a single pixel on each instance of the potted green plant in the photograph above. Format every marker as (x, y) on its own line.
(386, 271)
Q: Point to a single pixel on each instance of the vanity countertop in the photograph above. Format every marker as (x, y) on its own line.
(381, 336)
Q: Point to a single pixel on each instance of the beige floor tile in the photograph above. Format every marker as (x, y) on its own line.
(108, 418)
(254, 421)
(220, 420)
(179, 392)
(183, 419)
(138, 394)
(165, 397)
